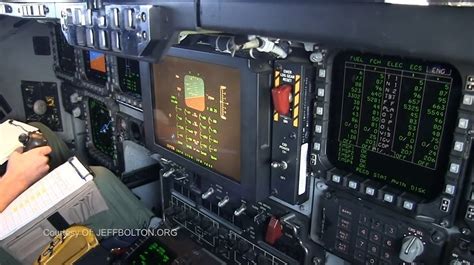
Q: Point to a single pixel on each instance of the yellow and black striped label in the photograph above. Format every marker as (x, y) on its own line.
(277, 83)
(296, 100)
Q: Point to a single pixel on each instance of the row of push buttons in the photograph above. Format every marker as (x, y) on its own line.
(371, 190)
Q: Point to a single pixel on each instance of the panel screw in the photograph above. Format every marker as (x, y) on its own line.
(444, 223)
(144, 35)
(437, 237)
(317, 261)
(316, 57)
(465, 231)
(143, 16)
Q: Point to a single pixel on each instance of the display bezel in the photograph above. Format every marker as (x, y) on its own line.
(120, 78)
(92, 75)
(255, 123)
(115, 162)
(60, 69)
(432, 186)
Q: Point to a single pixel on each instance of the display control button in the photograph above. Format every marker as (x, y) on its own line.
(320, 92)
(454, 168)
(458, 146)
(463, 123)
(370, 191)
(336, 178)
(449, 189)
(468, 100)
(352, 184)
(409, 205)
(388, 197)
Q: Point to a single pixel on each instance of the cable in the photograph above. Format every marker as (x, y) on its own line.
(17, 125)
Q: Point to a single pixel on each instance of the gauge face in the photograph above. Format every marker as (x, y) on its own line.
(393, 119)
(197, 113)
(101, 127)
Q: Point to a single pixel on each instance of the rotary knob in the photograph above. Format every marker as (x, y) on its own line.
(40, 107)
(412, 247)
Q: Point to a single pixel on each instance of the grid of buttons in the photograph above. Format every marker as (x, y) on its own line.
(374, 241)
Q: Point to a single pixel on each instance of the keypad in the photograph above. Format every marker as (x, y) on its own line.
(360, 234)
(366, 239)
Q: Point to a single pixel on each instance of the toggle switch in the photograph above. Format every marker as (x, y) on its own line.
(223, 202)
(281, 99)
(207, 194)
(281, 165)
(274, 231)
(240, 210)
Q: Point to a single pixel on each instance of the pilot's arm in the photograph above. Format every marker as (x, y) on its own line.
(23, 170)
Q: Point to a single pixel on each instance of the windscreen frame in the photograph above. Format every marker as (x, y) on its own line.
(254, 118)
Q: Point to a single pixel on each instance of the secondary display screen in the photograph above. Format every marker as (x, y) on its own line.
(66, 57)
(95, 66)
(393, 119)
(101, 127)
(197, 112)
(129, 76)
(152, 253)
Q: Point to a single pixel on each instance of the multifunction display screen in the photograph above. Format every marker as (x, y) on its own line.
(197, 112)
(95, 67)
(393, 119)
(129, 76)
(101, 127)
(66, 57)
